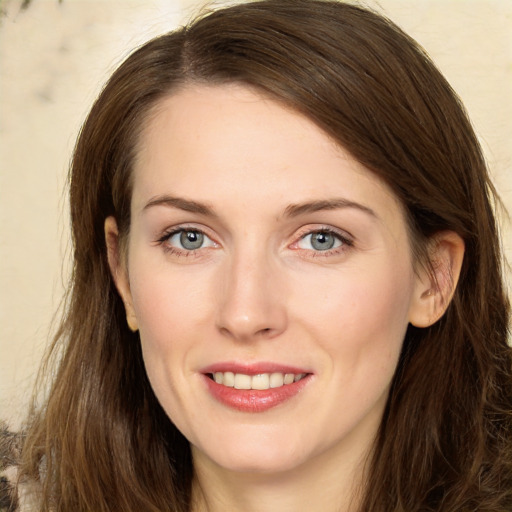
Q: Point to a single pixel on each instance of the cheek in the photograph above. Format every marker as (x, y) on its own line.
(360, 325)
(171, 309)
(360, 313)
(169, 303)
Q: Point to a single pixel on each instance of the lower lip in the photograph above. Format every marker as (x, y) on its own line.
(255, 400)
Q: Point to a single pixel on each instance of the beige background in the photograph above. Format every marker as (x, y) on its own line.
(54, 58)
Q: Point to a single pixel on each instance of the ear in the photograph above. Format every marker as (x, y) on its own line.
(117, 264)
(437, 279)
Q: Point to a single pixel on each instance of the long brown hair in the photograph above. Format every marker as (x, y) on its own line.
(101, 441)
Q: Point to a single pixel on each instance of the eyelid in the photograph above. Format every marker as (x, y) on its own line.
(168, 233)
(347, 240)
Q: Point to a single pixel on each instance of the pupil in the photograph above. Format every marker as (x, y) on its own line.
(322, 241)
(191, 239)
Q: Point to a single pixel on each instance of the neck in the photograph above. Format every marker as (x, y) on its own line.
(330, 482)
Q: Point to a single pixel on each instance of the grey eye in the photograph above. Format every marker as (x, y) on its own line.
(191, 240)
(323, 241)
(188, 239)
(320, 241)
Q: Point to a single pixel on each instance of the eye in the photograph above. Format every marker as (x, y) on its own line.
(188, 240)
(321, 241)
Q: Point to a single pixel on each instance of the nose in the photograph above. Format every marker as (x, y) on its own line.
(251, 301)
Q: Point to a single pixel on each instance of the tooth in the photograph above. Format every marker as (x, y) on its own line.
(242, 381)
(261, 381)
(229, 379)
(276, 380)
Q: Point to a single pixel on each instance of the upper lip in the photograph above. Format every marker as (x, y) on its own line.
(254, 368)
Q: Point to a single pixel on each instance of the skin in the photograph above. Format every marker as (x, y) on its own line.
(258, 290)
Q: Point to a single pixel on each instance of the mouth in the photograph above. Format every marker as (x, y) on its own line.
(254, 388)
(260, 381)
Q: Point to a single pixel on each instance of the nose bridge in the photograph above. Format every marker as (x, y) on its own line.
(251, 304)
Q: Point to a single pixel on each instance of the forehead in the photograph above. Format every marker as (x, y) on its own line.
(223, 143)
(220, 116)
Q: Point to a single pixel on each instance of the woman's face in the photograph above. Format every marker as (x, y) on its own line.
(261, 256)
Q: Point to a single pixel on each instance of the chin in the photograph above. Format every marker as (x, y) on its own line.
(258, 464)
(258, 454)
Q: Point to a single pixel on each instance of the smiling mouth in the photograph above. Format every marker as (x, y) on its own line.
(261, 381)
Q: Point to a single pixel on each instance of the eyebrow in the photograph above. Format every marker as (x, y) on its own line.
(294, 210)
(180, 203)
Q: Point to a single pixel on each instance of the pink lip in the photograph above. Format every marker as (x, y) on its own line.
(252, 368)
(253, 400)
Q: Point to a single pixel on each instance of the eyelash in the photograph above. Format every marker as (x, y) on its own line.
(169, 249)
(346, 241)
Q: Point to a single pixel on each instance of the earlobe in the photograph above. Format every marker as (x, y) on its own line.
(119, 271)
(437, 280)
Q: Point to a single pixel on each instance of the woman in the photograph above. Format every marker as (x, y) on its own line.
(287, 291)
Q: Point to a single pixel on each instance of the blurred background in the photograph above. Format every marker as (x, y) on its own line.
(55, 56)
